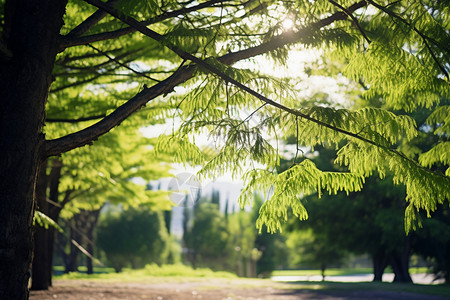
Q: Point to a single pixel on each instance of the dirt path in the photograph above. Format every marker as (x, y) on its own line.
(214, 289)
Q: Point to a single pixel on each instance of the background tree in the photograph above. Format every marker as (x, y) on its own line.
(400, 51)
(243, 255)
(206, 237)
(310, 249)
(433, 243)
(135, 237)
(272, 246)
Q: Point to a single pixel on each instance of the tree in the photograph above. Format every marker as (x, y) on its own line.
(310, 249)
(433, 243)
(272, 246)
(243, 254)
(135, 237)
(369, 221)
(400, 51)
(206, 239)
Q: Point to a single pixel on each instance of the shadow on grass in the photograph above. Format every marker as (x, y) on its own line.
(371, 290)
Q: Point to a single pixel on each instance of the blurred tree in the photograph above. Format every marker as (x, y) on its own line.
(369, 221)
(135, 237)
(309, 249)
(207, 237)
(242, 253)
(433, 243)
(272, 246)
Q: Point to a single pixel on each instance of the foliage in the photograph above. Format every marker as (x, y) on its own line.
(243, 253)
(397, 51)
(433, 243)
(365, 222)
(273, 248)
(230, 241)
(44, 221)
(206, 238)
(313, 250)
(133, 238)
(408, 72)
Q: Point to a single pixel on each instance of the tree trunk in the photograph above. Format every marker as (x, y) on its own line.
(89, 262)
(54, 209)
(322, 271)
(92, 223)
(31, 32)
(40, 277)
(380, 263)
(44, 239)
(72, 262)
(400, 265)
(168, 220)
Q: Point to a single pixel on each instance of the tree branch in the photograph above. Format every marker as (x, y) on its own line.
(102, 64)
(90, 22)
(69, 41)
(123, 65)
(91, 133)
(288, 37)
(83, 119)
(435, 59)
(77, 83)
(355, 21)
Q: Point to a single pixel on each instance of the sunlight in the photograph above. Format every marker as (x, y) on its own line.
(288, 24)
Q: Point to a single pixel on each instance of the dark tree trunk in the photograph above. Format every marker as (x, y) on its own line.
(400, 264)
(92, 223)
(322, 271)
(40, 277)
(72, 262)
(54, 208)
(31, 32)
(89, 262)
(380, 262)
(44, 239)
(168, 219)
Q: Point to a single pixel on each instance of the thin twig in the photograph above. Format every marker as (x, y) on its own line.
(435, 59)
(353, 18)
(250, 115)
(123, 65)
(69, 41)
(422, 35)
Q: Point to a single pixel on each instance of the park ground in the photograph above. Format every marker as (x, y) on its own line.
(234, 288)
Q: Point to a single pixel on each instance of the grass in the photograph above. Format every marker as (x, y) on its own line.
(182, 273)
(149, 273)
(336, 272)
(328, 272)
(336, 287)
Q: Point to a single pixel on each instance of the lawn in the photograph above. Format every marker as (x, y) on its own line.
(337, 272)
(173, 274)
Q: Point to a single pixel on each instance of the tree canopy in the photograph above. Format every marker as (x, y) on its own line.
(93, 65)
